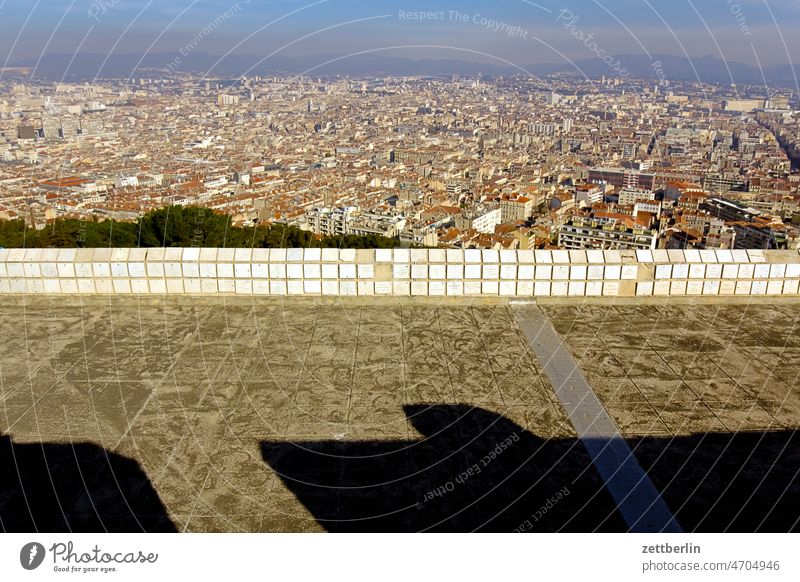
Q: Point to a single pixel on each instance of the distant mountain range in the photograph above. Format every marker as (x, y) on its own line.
(708, 69)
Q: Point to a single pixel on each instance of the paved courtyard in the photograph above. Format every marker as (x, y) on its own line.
(227, 414)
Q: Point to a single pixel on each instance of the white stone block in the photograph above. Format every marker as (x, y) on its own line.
(490, 288)
(714, 271)
(525, 288)
(697, 271)
(508, 272)
(243, 286)
(694, 287)
(756, 256)
(294, 271)
(3, 270)
(708, 256)
(174, 286)
(401, 288)
(490, 256)
(594, 289)
(419, 255)
(630, 272)
(419, 288)
(577, 257)
(525, 257)
(277, 256)
(138, 286)
(295, 287)
(33, 286)
(561, 257)
(559, 289)
(791, 287)
(775, 288)
(561, 273)
(171, 254)
(743, 287)
(544, 257)
(759, 288)
(278, 287)
(242, 271)
(313, 287)
(190, 255)
(595, 257)
(137, 270)
(663, 272)
(472, 288)
(644, 289)
(153, 270)
(472, 272)
(730, 271)
(508, 288)
(644, 256)
(312, 270)
(101, 270)
(294, 256)
(381, 256)
(541, 289)
(491, 271)
(612, 256)
(455, 271)
(724, 256)
(49, 270)
(119, 270)
(544, 272)
(383, 288)
(711, 287)
(260, 271)
(692, 256)
(508, 256)
(740, 256)
(437, 271)
(676, 256)
(578, 273)
(727, 288)
(15, 270)
(207, 286)
(277, 271)
(312, 255)
(207, 255)
(226, 285)
(455, 288)
(419, 272)
(793, 271)
(661, 288)
(437, 256)
(577, 289)
(175, 271)
(472, 256)
(777, 271)
(660, 256)
(611, 289)
(762, 272)
(330, 287)
(49, 286)
(366, 288)
(595, 273)
(260, 256)
(192, 286)
(190, 270)
(367, 271)
(32, 270)
(348, 288)
(613, 272)
(18, 285)
(122, 286)
(401, 271)
(678, 288)
(69, 286)
(437, 288)
(747, 272)
(455, 255)
(347, 271)
(86, 286)
(332, 255)
(330, 271)
(261, 287)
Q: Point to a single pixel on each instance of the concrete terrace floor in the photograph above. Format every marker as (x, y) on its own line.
(230, 414)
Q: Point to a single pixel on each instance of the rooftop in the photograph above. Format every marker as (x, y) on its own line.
(259, 414)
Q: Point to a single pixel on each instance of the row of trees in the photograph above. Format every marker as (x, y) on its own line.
(175, 226)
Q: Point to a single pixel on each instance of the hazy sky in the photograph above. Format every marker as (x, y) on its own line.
(546, 30)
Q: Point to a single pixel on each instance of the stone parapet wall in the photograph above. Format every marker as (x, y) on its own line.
(398, 272)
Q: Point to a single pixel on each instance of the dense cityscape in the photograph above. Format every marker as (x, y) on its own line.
(457, 162)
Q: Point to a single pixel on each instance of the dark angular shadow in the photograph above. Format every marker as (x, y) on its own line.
(715, 482)
(75, 488)
(472, 471)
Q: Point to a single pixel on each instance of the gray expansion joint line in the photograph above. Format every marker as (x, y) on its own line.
(637, 499)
